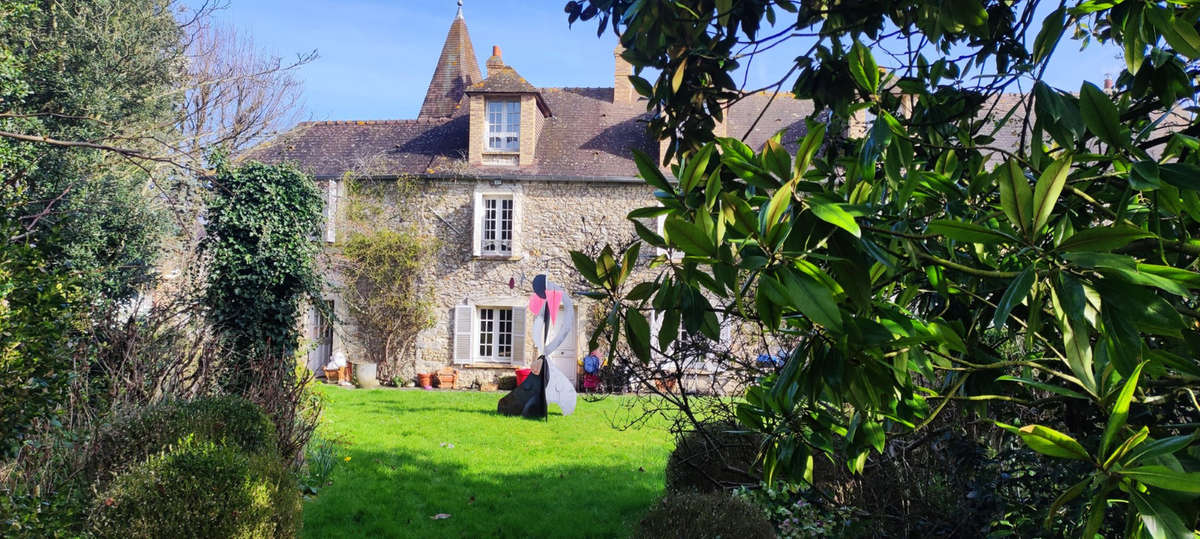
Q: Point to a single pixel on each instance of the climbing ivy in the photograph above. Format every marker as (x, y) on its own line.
(260, 251)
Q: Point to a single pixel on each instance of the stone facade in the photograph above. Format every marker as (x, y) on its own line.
(555, 217)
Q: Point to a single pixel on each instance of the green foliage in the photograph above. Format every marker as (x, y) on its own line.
(320, 457)
(35, 321)
(227, 421)
(703, 515)
(199, 488)
(797, 513)
(384, 294)
(260, 252)
(920, 261)
(713, 458)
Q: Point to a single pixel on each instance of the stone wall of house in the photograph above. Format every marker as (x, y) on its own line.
(555, 217)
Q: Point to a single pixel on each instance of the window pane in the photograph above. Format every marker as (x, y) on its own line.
(504, 335)
(486, 330)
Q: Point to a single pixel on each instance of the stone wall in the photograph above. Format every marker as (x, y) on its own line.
(555, 218)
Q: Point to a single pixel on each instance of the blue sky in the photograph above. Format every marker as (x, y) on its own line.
(377, 56)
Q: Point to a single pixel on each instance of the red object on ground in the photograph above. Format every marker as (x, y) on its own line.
(591, 382)
(521, 374)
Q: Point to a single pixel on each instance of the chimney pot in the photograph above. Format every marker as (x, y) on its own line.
(495, 62)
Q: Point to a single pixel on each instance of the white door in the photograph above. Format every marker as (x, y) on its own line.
(322, 335)
(565, 358)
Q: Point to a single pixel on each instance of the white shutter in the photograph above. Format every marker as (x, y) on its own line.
(518, 338)
(477, 223)
(464, 333)
(331, 212)
(518, 218)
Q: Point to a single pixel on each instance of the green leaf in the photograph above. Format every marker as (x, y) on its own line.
(1165, 478)
(1013, 296)
(832, 213)
(1048, 441)
(1049, 187)
(1181, 175)
(1044, 386)
(649, 172)
(1015, 196)
(809, 146)
(1062, 499)
(1144, 176)
(1160, 520)
(863, 69)
(637, 334)
(1165, 446)
(669, 328)
(689, 237)
(1100, 115)
(964, 231)
(677, 77)
(586, 267)
(1120, 409)
(1052, 30)
(774, 210)
(1104, 238)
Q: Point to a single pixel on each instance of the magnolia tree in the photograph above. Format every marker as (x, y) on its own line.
(920, 261)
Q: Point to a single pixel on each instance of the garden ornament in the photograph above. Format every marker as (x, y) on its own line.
(545, 384)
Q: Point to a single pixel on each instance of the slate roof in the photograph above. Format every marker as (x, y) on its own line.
(456, 70)
(588, 138)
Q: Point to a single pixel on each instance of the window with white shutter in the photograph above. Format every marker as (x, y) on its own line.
(494, 341)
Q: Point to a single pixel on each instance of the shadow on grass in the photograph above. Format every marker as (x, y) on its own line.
(396, 494)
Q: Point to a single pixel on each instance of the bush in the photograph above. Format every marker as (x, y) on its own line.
(200, 487)
(800, 513)
(130, 440)
(717, 456)
(699, 515)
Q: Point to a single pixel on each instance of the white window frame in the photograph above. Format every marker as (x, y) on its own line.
(469, 323)
(494, 334)
(502, 129)
(484, 218)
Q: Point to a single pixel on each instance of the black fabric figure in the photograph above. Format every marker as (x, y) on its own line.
(528, 399)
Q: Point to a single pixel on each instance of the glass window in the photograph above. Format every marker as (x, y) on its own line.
(497, 225)
(504, 125)
(495, 334)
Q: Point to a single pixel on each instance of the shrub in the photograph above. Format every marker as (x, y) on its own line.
(714, 457)
(699, 515)
(200, 487)
(800, 513)
(131, 439)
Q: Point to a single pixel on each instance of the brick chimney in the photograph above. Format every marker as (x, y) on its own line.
(495, 62)
(623, 93)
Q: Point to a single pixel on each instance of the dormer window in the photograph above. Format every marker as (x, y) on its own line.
(504, 125)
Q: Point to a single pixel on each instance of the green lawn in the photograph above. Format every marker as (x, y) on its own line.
(572, 476)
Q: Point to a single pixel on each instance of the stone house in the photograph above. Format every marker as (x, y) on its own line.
(509, 177)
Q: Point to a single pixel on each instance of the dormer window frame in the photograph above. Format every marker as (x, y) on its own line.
(503, 124)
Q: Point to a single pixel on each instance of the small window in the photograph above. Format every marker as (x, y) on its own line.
(497, 226)
(504, 126)
(495, 334)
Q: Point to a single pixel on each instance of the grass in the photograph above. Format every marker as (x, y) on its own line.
(504, 477)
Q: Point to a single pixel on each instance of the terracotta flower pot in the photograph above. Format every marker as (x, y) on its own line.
(425, 380)
(446, 381)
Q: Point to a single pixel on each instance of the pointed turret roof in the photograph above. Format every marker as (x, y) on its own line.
(456, 69)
